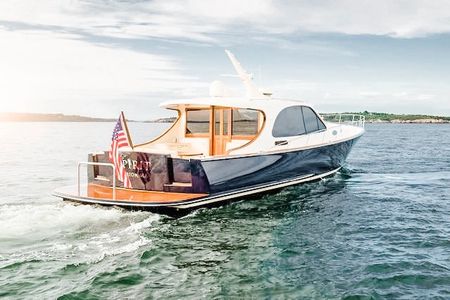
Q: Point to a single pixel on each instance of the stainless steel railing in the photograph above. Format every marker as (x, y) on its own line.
(350, 119)
(91, 163)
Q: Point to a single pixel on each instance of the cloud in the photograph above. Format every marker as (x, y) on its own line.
(313, 47)
(389, 18)
(44, 71)
(213, 21)
(54, 55)
(370, 94)
(341, 96)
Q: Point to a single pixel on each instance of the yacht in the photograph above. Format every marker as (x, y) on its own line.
(220, 148)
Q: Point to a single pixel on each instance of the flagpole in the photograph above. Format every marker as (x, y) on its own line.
(126, 129)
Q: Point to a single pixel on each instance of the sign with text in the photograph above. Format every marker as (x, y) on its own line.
(146, 171)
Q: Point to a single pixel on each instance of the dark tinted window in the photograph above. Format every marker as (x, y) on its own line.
(312, 121)
(245, 122)
(321, 125)
(197, 121)
(289, 122)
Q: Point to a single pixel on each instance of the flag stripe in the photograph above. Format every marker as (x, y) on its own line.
(119, 140)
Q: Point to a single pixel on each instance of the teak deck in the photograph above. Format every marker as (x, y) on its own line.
(104, 192)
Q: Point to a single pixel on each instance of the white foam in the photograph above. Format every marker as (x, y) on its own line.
(130, 247)
(19, 221)
(107, 232)
(143, 224)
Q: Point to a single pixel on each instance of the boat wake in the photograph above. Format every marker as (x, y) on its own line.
(83, 234)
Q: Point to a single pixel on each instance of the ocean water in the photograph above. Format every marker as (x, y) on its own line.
(378, 229)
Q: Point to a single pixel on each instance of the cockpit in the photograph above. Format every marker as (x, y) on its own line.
(207, 131)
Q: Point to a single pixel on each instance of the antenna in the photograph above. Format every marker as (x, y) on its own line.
(252, 90)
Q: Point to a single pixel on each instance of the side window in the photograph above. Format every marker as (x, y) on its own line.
(312, 121)
(289, 122)
(197, 121)
(245, 122)
(321, 125)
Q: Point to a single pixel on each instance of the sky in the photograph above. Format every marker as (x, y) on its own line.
(98, 57)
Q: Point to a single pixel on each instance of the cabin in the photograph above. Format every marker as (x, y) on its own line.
(214, 127)
(202, 129)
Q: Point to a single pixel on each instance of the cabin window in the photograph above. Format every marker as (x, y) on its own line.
(197, 121)
(296, 120)
(289, 122)
(245, 122)
(312, 121)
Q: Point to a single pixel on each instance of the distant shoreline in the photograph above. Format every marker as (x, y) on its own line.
(371, 117)
(424, 121)
(39, 117)
(386, 118)
(36, 117)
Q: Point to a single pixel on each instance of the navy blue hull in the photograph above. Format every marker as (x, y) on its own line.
(230, 178)
(225, 175)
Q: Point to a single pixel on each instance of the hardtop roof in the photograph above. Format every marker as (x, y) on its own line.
(264, 104)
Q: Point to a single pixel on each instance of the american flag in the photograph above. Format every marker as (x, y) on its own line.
(120, 140)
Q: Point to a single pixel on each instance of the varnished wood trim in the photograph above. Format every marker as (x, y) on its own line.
(230, 136)
(219, 138)
(104, 192)
(243, 137)
(211, 130)
(197, 135)
(204, 134)
(230, 122)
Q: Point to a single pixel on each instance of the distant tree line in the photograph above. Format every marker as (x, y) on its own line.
(383, 117)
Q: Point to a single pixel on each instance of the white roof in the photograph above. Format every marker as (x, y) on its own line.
(264, 104)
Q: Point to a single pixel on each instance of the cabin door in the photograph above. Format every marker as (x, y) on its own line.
(221, 130)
